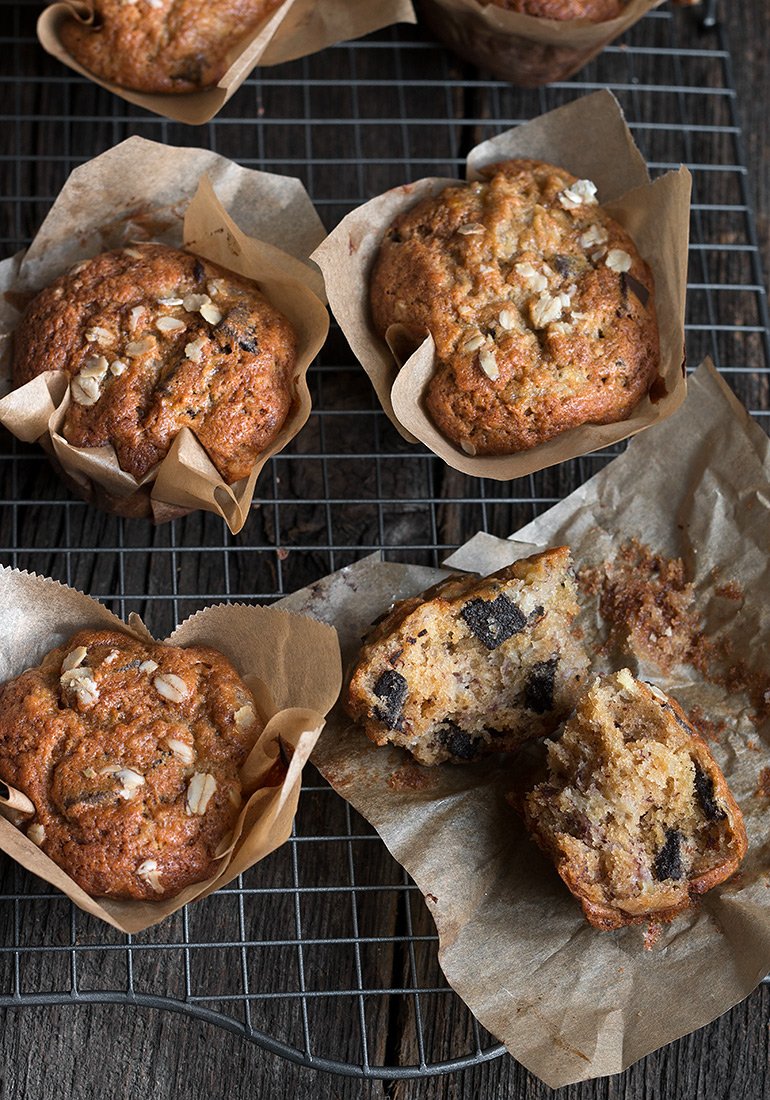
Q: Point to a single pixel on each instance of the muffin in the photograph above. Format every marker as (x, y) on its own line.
(530, 42)
(540, 307)
(155, 340)
(131, 754)
(473, 665)
(151, 46)
(634, 812)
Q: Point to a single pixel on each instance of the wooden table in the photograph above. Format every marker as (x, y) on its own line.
(111, 1052)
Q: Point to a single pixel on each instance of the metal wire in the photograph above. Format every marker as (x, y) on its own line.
(351, 984)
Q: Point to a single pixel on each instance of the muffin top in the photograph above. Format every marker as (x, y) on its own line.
(596, 11)
(156, 339)
(157, 46)
(131, 754)
(539, 304)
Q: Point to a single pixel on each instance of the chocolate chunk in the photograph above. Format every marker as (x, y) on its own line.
(199, 271)
(538, 613)
(637, 288)
(458, 742)
(704, 789)
(565, 265)
(392, 689)
(494, 621)
(251, 346)
(668, 861)
(538, 690)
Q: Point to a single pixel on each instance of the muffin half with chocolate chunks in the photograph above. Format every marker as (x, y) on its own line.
(155, 339)
(131, 753)
(541, 309)
(634, 812)
(473, 665)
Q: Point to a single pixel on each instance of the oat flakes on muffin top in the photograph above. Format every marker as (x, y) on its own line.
(131, 754)
(540, 306)
(156, 339)
(160, 45)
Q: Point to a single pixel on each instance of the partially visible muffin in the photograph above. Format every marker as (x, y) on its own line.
(131, 754)
(635, 811)
(595, 11)
(540, 306)
(473, 665)
(154, 340)
(159, 46)
(492, 35)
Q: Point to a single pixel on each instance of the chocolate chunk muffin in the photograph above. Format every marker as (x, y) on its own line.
(157, 46)
(131, 754)
(473, 665)
(540, 306)
(154, 340)
(635, 812)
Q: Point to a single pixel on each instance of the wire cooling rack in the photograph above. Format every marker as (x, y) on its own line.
(324, 953)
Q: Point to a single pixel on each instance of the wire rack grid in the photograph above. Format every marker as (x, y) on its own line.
(324, 953)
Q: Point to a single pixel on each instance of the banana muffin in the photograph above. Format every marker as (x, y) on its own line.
(539, 304)
(595, 11)
(157, 46)
(492, 35)
(131, 754)
(635, 811)
(473, 665)
(154, 340)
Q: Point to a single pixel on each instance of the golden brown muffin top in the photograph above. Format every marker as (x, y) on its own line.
(596, 11)
(131, 754)
(156, 339)
(163, 45)
(539, 304)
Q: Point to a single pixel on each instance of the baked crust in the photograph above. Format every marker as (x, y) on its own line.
(223, 367)
(595, 11)
(176, 46)
(473, 665)
(133, 769)
(540, 306)
(630, 752)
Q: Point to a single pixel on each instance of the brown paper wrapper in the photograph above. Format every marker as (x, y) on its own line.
(569, 1002)
(292, 665)
(189, 198)
(524, 49)
(590, 138)
(296, 28)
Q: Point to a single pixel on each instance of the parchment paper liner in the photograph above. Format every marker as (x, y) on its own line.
(524, 49)
(292, 665)
(296, 28)
(590, 138)
(570, 1002)
(142, 190)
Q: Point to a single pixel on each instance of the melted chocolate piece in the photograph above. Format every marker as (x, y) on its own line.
(637, 288)
(668, 861)
(704, 789)
(538, 691)
(458, 742)
(392, 689)
(493, 621)
(251, 345)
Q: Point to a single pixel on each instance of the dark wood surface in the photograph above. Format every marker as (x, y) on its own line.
(113, 1052)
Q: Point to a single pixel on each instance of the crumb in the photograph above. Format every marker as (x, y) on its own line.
(709, 728)
(652, 934)
(647, 602)
(730, 591)
(763, 784)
